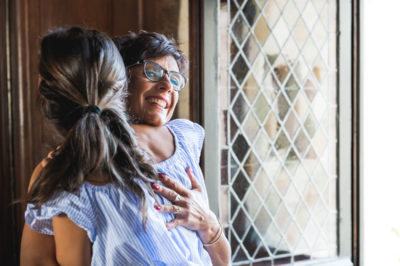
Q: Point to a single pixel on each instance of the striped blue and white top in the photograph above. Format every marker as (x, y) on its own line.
(111, 216)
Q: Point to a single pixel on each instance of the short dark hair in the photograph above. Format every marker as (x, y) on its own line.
(144, 45)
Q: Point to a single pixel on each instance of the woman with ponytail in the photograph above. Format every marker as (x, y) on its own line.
(93, 195)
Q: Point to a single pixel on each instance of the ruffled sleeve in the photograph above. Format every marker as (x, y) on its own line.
(199, 139)
(193, 134)
(75, 205)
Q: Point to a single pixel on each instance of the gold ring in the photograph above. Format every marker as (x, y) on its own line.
(176, 209)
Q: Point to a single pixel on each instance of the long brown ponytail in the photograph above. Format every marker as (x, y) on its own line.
(83, 92)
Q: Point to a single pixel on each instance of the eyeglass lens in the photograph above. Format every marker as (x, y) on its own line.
(155, 72)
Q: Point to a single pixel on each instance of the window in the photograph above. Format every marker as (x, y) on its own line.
(277, 132)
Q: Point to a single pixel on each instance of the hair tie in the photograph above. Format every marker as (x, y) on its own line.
(93, 109)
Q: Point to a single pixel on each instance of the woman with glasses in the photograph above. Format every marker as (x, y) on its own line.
(180, 229)
(155, 69)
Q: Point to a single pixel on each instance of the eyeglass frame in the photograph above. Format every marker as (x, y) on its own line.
(165, 71)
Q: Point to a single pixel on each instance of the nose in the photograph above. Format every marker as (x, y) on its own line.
(165, 84)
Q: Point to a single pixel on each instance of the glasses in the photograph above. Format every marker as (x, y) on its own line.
(156, 73)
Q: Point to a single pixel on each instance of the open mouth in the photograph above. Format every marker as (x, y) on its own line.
(158, 101)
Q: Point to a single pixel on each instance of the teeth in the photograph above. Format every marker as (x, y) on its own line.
(159, 102)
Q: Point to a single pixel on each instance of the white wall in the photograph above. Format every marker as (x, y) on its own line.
(381, 132)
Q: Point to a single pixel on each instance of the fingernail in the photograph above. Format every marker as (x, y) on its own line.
(157, 207)
(167, 225)
(188, 169)
(161, 176)
(155, 186)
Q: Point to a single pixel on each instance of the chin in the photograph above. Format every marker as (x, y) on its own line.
(156, 122)
(156, 119)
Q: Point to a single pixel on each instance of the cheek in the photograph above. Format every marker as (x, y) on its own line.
(136, 90)
(132, 97)
(175, 99)
(134, 101)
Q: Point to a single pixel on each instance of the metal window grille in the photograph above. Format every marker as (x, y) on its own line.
(278, 138)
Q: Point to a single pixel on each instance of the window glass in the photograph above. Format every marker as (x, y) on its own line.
(278, 134)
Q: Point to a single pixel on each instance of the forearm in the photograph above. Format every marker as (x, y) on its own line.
(215, 242)
(220, 252)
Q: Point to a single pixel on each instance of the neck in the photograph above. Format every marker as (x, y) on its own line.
(157, 141)
(98, 178)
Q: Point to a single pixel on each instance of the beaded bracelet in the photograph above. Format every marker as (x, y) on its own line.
(218, 236)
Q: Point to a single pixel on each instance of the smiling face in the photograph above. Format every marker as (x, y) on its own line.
(152, 102)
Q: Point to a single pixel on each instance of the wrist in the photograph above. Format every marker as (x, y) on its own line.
(210, 230)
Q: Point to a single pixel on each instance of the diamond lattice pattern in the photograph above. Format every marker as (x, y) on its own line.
(279, 106)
